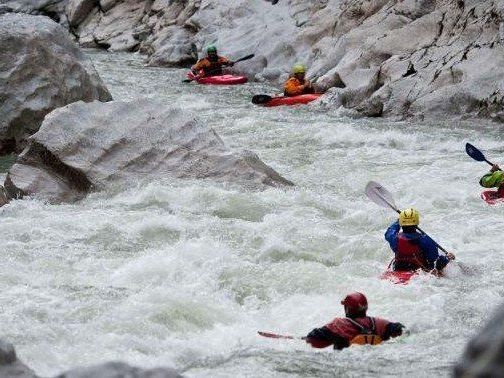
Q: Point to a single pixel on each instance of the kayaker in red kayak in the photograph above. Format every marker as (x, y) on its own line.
(212, 64)
(494, 179)
(356, 328)
(297, 84)
(414, 250)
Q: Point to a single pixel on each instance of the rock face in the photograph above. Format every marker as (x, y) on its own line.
(398, 58)
(11, 367)
(483, 355)
(119, 369)
(54, 9)
(40, 69)
(89, 146)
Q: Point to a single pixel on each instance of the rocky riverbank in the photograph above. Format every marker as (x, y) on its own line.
(399, 59)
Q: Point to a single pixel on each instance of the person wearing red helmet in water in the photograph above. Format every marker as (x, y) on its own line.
(355, 328)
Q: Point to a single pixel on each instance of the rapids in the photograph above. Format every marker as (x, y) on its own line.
(184, 273)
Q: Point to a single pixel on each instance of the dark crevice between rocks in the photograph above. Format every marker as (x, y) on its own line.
(410, 71)
(40, 157)
(7, 146)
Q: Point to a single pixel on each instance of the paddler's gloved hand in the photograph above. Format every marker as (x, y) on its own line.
(231, 64)
(495, 168)
(393, 330)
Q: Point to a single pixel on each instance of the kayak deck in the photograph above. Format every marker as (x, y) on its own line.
(219, 79)
(292, 100)
(492, 197)
(398, 277)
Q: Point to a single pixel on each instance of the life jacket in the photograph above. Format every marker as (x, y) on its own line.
(212, 67)
(409, 254)
(367, 335)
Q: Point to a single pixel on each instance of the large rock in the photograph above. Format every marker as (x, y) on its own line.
(119, 370)
(483, 356)
(396, 58)
(40, 69)
(10, 366)
(54, 9)
(89, 146)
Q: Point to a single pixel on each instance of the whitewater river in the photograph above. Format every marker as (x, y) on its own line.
(184, 273)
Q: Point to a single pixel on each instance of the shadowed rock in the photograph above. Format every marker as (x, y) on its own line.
(119, 370)
(54, 9)
(483, 356)
(40, 69)
(89, 146)
(11, 367)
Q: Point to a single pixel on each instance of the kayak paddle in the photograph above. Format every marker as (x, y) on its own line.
(276, 336)
(250, 56)
(476, 154)
(382, 197)
(261, 99)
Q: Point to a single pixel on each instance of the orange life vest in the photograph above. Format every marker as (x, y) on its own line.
(367, 336)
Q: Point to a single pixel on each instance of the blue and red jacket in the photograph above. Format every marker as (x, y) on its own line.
(414, 243)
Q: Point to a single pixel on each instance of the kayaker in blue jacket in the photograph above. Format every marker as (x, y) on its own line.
(412, 249)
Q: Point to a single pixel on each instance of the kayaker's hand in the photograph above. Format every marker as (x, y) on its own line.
(450, 256)
(231, 64)
(436, 273)
(494, 168)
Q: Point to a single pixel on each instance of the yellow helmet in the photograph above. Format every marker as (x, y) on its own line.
(299, 69)
(409, 217)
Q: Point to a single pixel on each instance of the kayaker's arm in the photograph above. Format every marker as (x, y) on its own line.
(323, 337)
(391, 235)
(435, 260)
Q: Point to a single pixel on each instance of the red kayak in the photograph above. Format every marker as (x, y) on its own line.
(398, 277)
(218, 80)
(293, 100)
(492, 197)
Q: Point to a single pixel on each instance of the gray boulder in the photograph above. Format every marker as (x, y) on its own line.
(10, 366)
(77, 10)
(41, 69)
(54, 9)
(483, 356)
(90, 146)
(119, 370)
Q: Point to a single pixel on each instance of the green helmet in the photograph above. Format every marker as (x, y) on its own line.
(211, 49)
(299, 69)
(492, 180)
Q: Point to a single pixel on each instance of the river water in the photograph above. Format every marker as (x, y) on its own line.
(184, 273)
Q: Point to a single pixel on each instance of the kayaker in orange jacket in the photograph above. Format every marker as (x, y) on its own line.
(356, 328)
(297, 84)
(212, 64)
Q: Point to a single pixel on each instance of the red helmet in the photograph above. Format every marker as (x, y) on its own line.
(355, 304)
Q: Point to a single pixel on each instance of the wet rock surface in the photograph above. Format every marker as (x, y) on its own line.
(41, 69)
(55, 9)
(11, 367)
(90, 146)
(483, 355)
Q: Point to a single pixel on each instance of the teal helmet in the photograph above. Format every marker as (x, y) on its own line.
(211, 49)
